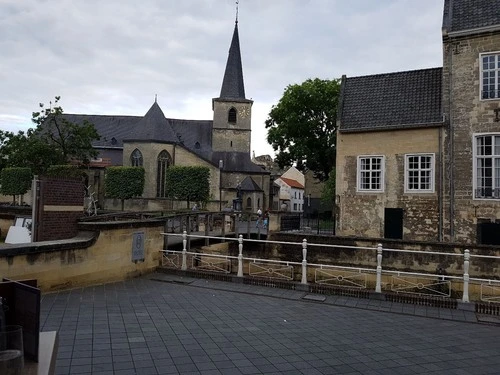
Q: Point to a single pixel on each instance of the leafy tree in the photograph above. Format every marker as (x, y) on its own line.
(188, 183)
(302, 126)
(328, 191)
(15, 181)
(124, 182)
(65, 170)
(54, 140)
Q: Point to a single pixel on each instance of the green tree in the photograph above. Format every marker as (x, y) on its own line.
(328, 191)
(15, 181)
(191, 184)
(302, 126)
(54, 140)
(124, 182)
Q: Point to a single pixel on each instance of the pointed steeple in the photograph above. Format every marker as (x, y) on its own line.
(232, 85)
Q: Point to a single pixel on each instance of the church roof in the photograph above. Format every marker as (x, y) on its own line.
(248, 184)
(232, 84)
(153, 127)
(468, 15)
(236, 162)
(391, 101)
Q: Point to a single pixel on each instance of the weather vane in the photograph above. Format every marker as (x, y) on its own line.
(237, 2)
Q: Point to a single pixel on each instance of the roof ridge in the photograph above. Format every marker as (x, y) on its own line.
(396, 73)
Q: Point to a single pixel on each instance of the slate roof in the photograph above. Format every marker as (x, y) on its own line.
(292, 183)
(153, 127)
(391, 101)
(236, 162)
(232, 84)
(463, 15)
(248, 184)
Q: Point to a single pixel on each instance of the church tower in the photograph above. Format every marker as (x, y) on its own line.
(231, 130)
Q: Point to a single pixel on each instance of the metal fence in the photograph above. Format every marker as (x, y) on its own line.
(376, 278)
(307, 223)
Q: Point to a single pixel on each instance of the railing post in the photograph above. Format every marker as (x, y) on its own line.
(184, 250)
(240, 256)
(304, 262)
(378, 286)
(465, 297)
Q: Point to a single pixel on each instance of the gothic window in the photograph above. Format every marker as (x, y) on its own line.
(164, 161)
(136, 158)
(231, 116)
(249, 202)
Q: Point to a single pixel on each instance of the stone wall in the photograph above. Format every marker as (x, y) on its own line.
(227, 136)
(362, 213)
(91, 258)
(467, 114)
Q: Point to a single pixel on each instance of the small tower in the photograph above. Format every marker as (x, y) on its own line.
(231, 130)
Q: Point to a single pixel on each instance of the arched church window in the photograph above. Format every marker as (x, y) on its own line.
(136, 158)
(231, 116)
(164, 161)
(249, 202)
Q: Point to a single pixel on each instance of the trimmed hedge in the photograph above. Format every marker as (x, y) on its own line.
(124, 182)
(188, 183)
(15, 181)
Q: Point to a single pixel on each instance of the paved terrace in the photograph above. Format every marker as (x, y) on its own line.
(165, 324)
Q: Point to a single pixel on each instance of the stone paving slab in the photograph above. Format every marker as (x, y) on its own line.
(143, 326)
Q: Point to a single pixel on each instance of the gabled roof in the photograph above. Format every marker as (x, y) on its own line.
(391, 101)
(292, 183)
(232, 84)
(248, 184)
(470, 15)
(153, 127)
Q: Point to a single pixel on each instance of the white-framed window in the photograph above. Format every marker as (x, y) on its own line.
(486, 167)
(490, 75)
(371, 173)
(419, 173)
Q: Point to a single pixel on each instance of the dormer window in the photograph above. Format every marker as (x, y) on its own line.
(231, 116)
(490, 76)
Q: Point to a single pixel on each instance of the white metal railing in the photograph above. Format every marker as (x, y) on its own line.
(340, 276)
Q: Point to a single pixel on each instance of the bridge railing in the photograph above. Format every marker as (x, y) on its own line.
(376, 278)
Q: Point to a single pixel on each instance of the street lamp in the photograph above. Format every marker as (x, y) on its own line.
(221, 166)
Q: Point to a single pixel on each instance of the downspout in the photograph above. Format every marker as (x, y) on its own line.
(441, 184)
(452, 147)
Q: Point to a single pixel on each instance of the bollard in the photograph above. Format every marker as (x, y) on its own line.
(378, 286)
(184, 255)
(240, 256)
(465, 297)
(304, 262)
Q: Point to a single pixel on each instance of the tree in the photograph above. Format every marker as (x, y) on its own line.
(54, 140)
(124, 182)
(15, 181)
(302, 126)
(188, 183)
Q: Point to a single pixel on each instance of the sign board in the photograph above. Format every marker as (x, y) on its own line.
(138, 247)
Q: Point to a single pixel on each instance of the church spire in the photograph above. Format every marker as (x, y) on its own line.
(232, 84)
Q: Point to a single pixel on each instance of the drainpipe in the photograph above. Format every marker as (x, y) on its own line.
(451, 147)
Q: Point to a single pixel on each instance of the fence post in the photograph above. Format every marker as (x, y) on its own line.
(378, 287)
(304, 262)
(465, 297)
(240, 256)
(184, 255)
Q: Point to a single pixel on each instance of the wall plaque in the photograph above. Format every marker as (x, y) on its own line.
(138, 247)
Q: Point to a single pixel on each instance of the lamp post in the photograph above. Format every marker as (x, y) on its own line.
(221, 166)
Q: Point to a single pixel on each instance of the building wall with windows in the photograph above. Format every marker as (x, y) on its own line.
(471, 99)
(388, 169)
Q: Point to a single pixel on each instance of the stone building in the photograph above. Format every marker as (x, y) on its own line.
(156, 142)
(418, 153)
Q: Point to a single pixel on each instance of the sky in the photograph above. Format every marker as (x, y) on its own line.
(113, 56)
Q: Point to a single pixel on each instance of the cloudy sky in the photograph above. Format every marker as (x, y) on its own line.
(113, 56)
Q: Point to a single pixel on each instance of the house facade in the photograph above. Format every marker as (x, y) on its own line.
(156, 142)
(418, 152)
(291, 194)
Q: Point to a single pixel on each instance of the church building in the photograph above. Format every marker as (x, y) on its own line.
(157, 142)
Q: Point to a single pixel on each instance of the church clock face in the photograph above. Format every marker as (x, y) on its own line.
(244, 112)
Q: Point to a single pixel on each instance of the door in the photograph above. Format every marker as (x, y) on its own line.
(393, 223)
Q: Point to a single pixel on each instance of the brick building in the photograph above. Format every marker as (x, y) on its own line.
(156, 142)
(418, 153)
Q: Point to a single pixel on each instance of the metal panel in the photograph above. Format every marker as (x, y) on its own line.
(138, 247)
